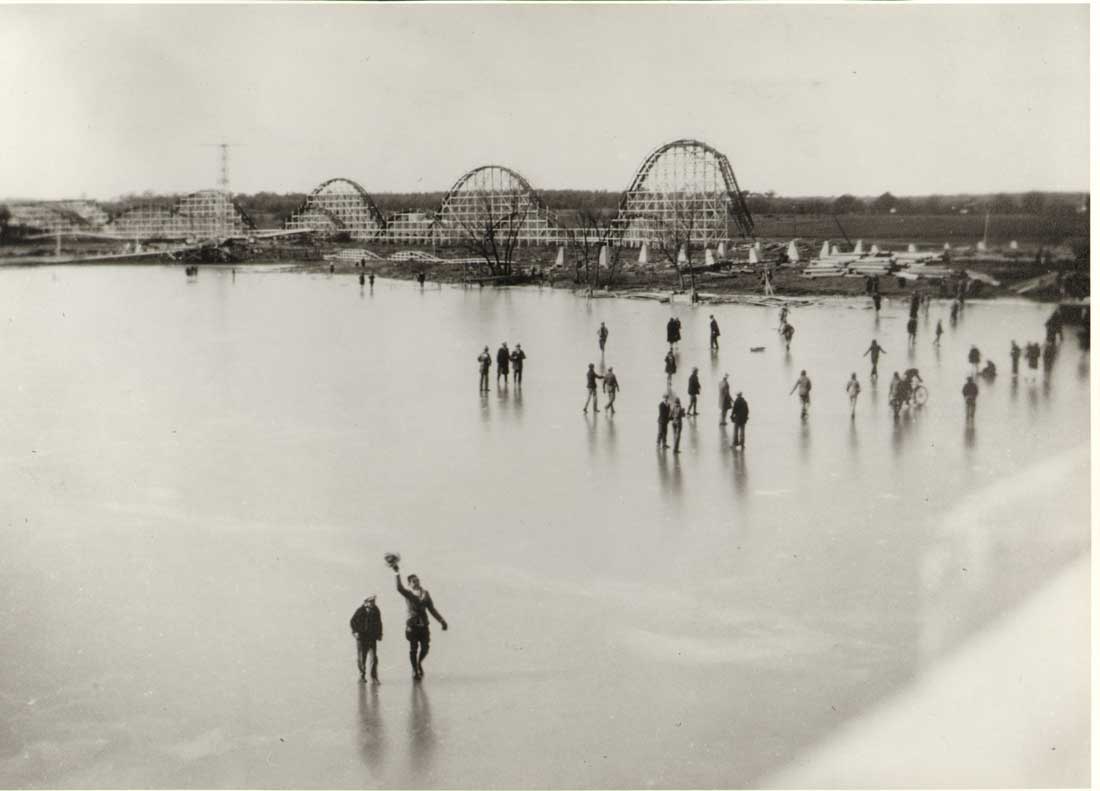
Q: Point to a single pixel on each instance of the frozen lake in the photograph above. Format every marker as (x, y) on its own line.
(201, 478)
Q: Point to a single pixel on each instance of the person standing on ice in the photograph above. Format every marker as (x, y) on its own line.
(590, 378)
(664, 415)
(740, 418)
(724, 400)
(970, 395)
(503, 360)
(366, 627)
(676, 415)
(484, 362)
(601, 335)
(974, 358)
(417, 630)
(694, 389)
(518, 356)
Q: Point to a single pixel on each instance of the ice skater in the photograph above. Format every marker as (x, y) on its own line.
(670, 365)
(788, 333)
(803, 385)
(911, 328)
(366, 627)
(1014, 353)
(939, 332)
(601, 335)
(874, 350)
(590, 382)
(853, 389)
(611, 387)
(714, 332)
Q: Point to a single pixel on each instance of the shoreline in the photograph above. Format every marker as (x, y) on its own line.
(712, 287)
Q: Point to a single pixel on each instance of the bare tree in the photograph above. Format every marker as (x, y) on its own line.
(494, 229)
(591, 233)
(673, 228)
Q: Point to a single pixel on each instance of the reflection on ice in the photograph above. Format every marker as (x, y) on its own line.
(757, 613)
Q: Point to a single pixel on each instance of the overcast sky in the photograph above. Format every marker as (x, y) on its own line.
(804, 100)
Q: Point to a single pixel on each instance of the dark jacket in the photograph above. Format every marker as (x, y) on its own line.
(670, 364)
(502, 358)
(970, 391)
(693, 384)
(419, 608)
(740, 410)
(714, 331)
(367, 623)
(664, 413)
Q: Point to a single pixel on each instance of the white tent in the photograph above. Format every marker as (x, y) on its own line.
(792, 252)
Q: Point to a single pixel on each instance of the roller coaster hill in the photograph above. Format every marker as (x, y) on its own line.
(683, 197)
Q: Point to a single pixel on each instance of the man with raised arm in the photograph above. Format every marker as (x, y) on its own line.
(417, 630)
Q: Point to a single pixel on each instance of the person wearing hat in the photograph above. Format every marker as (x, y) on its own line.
(611, 387)
(590, 378)
(740, 418)
(518, 356)
(693, 390)
(503, 359)
(485, 362)
(366, 625)
(714, 332)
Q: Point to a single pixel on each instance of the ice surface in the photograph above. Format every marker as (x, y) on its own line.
(201, 479)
